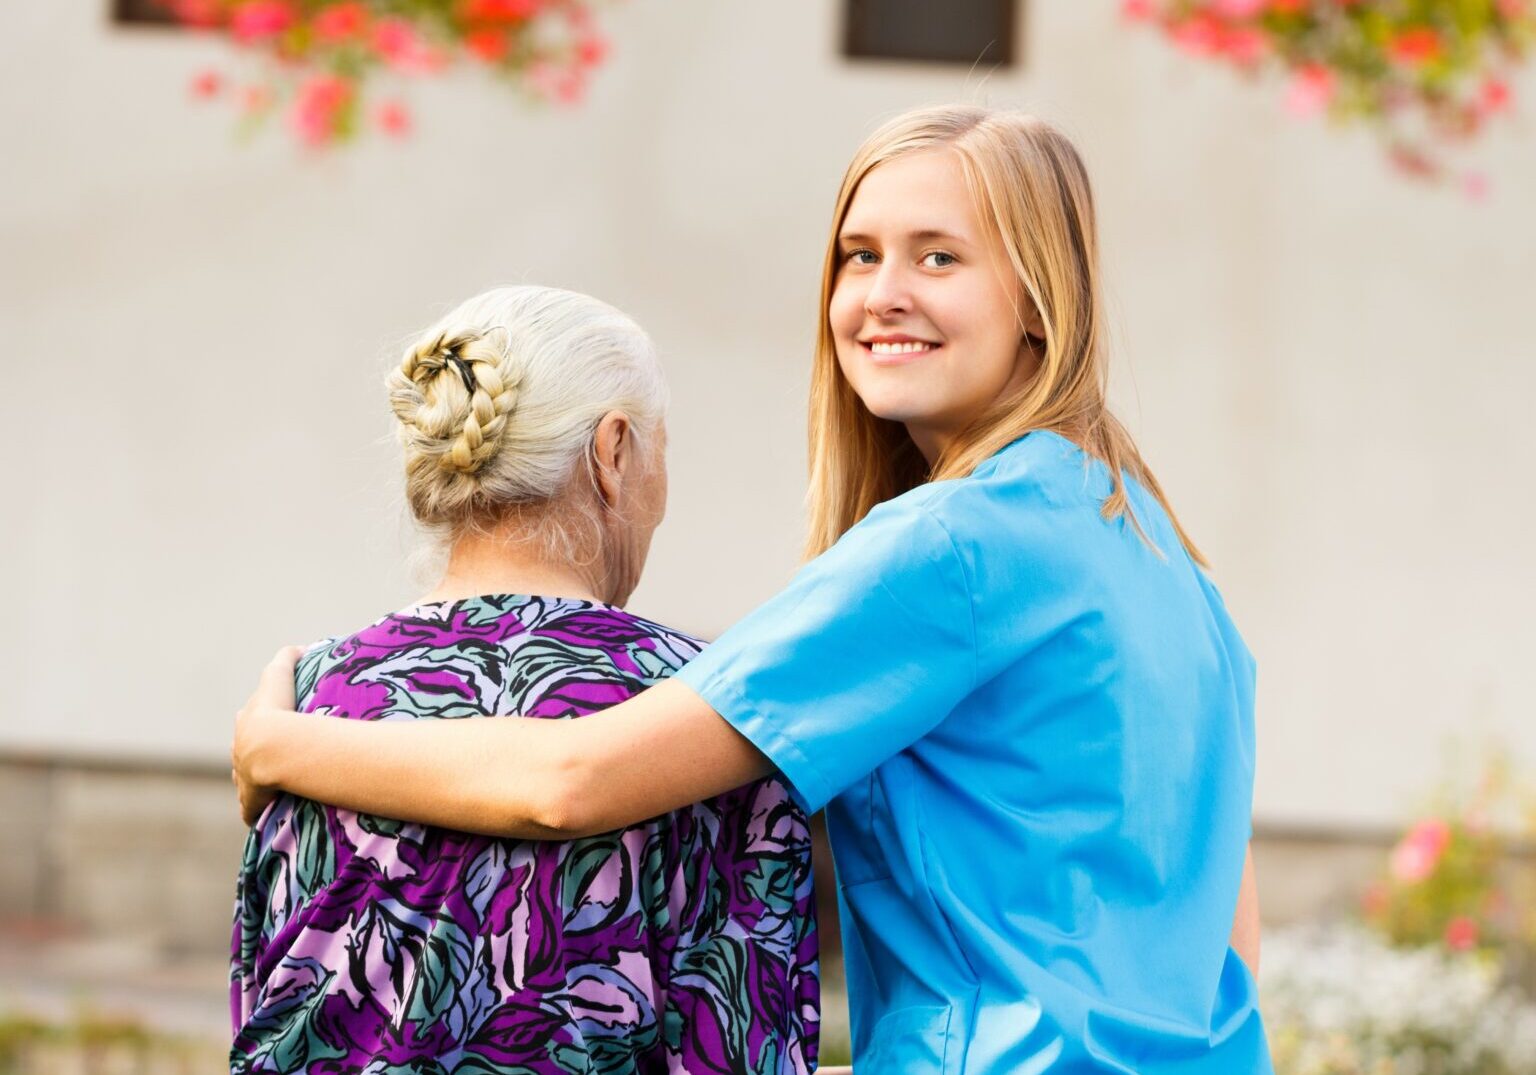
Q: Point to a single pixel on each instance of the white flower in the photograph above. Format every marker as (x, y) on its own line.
(1338, 999)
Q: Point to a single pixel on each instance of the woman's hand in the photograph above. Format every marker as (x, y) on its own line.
(273, 695)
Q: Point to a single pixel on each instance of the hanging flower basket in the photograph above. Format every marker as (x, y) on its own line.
(319, 62)
(1428, 75)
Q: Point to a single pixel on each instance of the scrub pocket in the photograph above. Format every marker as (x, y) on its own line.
(911, 1040)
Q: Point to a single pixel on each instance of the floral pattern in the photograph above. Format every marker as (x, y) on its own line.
(363, 944)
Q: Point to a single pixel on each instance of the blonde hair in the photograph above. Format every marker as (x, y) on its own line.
(498, 401)
(1029, 181)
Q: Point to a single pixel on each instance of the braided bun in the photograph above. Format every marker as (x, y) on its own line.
(453, 398)
(498, 401)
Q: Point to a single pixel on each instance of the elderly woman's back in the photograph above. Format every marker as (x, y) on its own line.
(364, 944)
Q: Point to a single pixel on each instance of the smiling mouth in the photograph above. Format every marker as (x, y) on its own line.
(901, 349)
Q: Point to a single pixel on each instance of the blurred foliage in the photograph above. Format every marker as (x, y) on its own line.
(92, 1043)
(319, 58)
(1427, 75)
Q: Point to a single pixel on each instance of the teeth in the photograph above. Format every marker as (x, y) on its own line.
(899, 348)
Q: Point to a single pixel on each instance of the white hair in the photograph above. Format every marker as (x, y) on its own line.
(498, 402)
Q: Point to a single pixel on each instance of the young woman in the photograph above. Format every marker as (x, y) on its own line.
(531, 422)
(1003, 672)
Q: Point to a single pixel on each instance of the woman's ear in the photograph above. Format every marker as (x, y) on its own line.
(1034, 324)
(613, 453)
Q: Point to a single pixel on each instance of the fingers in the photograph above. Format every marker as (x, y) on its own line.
(275, 688)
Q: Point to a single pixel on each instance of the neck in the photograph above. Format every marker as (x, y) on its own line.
(497, 562)
(931, 443)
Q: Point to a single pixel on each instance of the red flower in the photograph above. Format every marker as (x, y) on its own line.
(335, 23)
(260, 19)
(1289, 7)
(1461, 934)
(498, 10)
(488, 43)
(1416, 45)
(206, 84)
(393, 119)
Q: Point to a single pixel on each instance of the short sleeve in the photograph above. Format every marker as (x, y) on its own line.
(868, 649)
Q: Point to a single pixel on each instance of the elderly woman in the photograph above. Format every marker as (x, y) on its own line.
(532, 425)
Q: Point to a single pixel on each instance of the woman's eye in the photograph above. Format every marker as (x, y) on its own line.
(860, 257)
(938, 259)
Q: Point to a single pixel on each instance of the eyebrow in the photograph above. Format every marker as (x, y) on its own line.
(924, 233)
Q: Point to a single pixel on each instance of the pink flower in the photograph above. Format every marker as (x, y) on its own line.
(1138, 10)
(571, 88)
(260, 19)
(1311, 90)
(394, 39)
(1200, 34)
(1418, 852)
(335, 23)
(1288, 7)
(1245, 45)
(1511, 9)
(1475, 186)
(393, 119)
(1461, 934)
(1494, 95)
(206, 84)
(591, 50)
(319, 107)
(1239, 9)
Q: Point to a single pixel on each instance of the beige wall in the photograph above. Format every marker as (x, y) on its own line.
(1329, 366)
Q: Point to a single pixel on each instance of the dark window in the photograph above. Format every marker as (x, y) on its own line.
(143, 11)
(942, 31)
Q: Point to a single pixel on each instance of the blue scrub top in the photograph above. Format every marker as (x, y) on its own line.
(1033, 733)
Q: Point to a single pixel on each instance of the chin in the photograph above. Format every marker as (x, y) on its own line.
(898, 410)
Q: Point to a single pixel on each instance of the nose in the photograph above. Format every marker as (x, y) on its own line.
(888, 292)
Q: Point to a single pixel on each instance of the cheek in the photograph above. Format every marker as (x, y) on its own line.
(845, 310)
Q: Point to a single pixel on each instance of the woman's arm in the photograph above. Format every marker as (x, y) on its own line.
(1245, 926)
(550, 779)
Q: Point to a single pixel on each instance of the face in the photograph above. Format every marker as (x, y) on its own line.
(923, 308)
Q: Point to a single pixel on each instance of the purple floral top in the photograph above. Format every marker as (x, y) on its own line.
(686, 944)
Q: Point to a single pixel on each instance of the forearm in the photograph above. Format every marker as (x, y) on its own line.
(1245, 924)
(508, 776)
(498, 776)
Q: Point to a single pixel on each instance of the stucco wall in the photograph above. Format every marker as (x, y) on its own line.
(1329, 367)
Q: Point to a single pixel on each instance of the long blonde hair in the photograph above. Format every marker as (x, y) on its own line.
(1028, 180)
